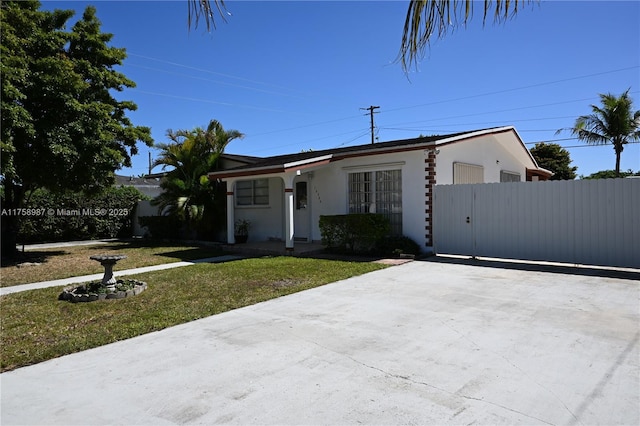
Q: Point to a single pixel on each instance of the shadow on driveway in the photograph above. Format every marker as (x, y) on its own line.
(519, 265)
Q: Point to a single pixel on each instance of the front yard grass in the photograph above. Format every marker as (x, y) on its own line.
(65, 262)
(37, 327)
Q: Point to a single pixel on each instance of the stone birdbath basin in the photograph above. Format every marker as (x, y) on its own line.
(108, 261)
(108, 288)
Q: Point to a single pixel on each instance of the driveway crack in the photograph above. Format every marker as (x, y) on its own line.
(511, 363)
(421, 383)
(467, 397)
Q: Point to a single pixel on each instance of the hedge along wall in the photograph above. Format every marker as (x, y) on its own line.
(357, 233)
(75, 216)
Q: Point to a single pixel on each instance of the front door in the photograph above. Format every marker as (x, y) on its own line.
(301, 210)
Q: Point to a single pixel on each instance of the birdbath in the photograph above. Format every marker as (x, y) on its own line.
(108, 261)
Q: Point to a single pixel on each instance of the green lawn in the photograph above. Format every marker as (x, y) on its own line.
(57, 263)
(37, 327)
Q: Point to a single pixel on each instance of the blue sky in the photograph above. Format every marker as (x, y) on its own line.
(294, 76)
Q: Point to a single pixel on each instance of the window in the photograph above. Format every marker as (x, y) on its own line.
(252, 192)
(378, 192)
(360, 192)
(509, 176)
(467, 173)
(301, 195)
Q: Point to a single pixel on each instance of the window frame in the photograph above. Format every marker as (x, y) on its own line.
(256, 193)
(505, 173)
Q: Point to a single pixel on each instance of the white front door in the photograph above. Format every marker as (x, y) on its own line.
(302, 209)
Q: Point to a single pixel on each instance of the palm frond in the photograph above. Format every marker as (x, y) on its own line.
(205, 9)
(428, 18)
(192, 154)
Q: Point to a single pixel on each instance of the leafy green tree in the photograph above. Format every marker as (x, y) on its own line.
(114, 210)
(61, 128)
(555, 158)
(187, 191)
(425, 18)
(613, 123)
(610, 174)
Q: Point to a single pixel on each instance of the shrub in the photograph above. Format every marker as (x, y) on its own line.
(395, 245)
(162, 227)
(107, 214)
(355, 233)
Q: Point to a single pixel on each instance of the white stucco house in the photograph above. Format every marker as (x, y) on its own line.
(284, 196)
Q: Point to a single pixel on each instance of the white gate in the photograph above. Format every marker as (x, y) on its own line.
(594, 222)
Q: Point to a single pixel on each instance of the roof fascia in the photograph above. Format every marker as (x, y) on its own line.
(325, 159)
(389, 150)
(246, 172)
(471, 135)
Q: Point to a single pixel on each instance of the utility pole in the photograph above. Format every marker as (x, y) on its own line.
(371, 109)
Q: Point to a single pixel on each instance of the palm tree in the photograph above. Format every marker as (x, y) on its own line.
(191, 155)
(614, 123)
(424, 18)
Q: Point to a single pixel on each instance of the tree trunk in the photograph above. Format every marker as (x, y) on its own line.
(13, 197)
(618, 147)
(9, 236)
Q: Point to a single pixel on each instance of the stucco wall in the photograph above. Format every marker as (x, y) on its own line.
(485, 151)
(328, 189)
(266, 221)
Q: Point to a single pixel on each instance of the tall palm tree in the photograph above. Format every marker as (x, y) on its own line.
(424, 18)
(191, 154)
(613, 123)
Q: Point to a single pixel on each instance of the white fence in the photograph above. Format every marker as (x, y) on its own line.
(594, 222)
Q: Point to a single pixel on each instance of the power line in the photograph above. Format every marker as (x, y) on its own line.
(312, 140)
(500, 111)
(351, 140)
(514, 89)
(306, 125)
(346, 118)
(176, 64)
(574, 146)
(216, 81)
(209, 101)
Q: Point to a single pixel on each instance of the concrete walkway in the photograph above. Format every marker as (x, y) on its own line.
(43, 246)
(421, 343)
(85, 278)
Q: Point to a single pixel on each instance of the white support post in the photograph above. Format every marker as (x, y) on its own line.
(288, 211)
(231, 239)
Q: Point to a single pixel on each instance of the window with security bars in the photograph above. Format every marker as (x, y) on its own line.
(378, 192)
(252, 192)
(509, 176)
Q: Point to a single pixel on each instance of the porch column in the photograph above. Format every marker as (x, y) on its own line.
(231, 239)
(288, 211)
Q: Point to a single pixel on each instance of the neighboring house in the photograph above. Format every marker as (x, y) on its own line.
(149, 185)
(284, 196)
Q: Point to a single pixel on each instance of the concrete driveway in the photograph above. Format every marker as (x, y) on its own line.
(421, 343)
